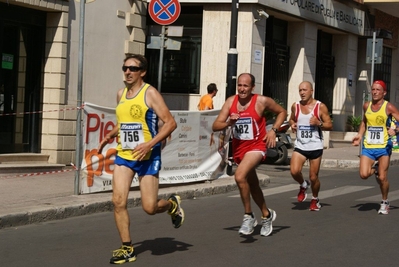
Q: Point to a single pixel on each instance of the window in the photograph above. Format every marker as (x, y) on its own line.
(180, 68)
(383, 71)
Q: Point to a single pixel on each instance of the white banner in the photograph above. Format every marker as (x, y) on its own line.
(191, 153)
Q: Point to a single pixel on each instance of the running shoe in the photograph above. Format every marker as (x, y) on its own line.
(315, 205)
(384, 208)
(267, 226)
(302, 195)
(248, 225)
(177, 214)
(122, 255)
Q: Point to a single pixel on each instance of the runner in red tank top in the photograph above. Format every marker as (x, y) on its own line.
(244, 112)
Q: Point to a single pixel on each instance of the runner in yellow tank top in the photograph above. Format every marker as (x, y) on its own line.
(139, 108)
(376, 131)
(373, 136)
(137, 124)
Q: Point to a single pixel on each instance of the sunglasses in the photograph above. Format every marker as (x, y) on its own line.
(131, 68)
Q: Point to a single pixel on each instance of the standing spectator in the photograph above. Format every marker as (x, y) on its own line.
(206, 101)
(308, 118)
(244, 112)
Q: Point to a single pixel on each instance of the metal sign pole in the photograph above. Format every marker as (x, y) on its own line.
(160, 65)
(372, 60)
(367, 97)
(78, 154)
(232, 58)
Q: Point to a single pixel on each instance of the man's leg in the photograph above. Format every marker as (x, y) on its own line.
(121, 181)
(314, 168)
(149, 185)
(245, 169)
(268, 215)
(365, 167)
(296, 164)
(244, 175)
(383, 165)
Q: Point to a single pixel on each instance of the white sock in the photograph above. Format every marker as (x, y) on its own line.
(304, 184)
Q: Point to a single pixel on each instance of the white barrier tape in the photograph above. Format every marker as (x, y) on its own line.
(36, 173)
(41, 111)
(41, 173)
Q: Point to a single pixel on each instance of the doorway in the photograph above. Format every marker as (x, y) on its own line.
(325, 65)
(277, 56)
(22, 40)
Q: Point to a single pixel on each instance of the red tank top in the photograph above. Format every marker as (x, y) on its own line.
(249, 130)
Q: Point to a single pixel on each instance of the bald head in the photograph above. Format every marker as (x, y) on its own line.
(306, 84)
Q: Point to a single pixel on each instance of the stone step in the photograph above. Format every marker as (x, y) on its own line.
(27, 163)
(30, 167)
(23, 158)
(334, 143)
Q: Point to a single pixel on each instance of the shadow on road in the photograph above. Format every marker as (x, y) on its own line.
(371, 206)
(161, 246)
(305, 205)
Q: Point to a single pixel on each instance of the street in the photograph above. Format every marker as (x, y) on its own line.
(347, 231)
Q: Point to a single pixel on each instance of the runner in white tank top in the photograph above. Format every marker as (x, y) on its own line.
(308, 137)
(308, 118)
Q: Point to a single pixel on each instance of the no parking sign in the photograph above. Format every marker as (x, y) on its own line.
(164, 12)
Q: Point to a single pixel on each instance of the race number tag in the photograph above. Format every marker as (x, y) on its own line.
(305, 133)
(131, 135)
(243, 129)
(375, 135)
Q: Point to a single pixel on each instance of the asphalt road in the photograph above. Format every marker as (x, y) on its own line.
(346, 232)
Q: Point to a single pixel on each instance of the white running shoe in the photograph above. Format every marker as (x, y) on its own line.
(384, 208)
(267, 227)
(248, 224)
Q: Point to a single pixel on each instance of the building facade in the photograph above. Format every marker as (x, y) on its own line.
(282, 43)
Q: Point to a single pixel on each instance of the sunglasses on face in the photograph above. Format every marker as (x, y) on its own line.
(131, 68)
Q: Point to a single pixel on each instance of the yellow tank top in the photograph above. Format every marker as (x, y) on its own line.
(376, 135)
(136, 121)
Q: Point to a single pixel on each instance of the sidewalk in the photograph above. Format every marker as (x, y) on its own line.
(39, 198)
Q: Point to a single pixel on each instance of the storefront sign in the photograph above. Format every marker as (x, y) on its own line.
(327, 12)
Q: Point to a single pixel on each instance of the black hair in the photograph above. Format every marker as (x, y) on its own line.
(143, 61)
(211, 88)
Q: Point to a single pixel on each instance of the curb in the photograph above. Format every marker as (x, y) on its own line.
(342, 163)
(101, 202)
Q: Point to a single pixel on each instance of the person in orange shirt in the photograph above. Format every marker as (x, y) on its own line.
(206, 102)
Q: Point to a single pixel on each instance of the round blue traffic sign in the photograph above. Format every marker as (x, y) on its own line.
(164, 12)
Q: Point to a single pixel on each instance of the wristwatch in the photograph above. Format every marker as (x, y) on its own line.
(274, 129)
(321, 124)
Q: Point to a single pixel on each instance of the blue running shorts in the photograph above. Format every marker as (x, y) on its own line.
(376, 153)
(145, 167)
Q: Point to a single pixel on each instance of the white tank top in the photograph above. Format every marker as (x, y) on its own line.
(308, 137)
